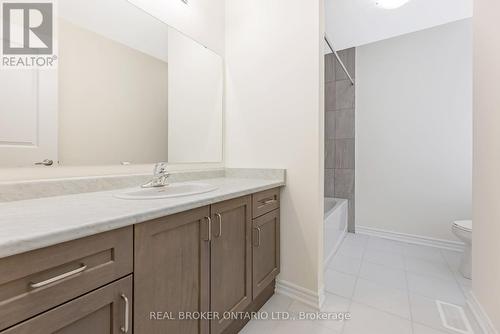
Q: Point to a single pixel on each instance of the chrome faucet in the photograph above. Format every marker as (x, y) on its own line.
(160, 176)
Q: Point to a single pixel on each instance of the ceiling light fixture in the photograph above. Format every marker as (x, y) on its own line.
(185, 1)
(391, 4)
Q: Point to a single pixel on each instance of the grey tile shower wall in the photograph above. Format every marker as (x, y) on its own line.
(330, 120)
(340, 129)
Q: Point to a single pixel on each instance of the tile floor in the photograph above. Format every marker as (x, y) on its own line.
(387, 286)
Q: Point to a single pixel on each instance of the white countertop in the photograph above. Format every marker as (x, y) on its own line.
(36, 223)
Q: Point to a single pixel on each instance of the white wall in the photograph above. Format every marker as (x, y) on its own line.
(486, 194)
(202, 20)
(95, 73)
(414, 131)
(111, 19)
(357, 22)
(274, 52)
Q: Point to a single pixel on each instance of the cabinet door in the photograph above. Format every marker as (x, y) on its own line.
(171, 273)
(266, 250)
(34, 282)
(107, 310)
(231, 276)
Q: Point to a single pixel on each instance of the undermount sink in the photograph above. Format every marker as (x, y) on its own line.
(168, 191)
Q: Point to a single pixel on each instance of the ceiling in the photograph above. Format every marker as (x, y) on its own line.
(352, 23)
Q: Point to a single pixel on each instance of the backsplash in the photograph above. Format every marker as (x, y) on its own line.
(24, 190)
(16, 191)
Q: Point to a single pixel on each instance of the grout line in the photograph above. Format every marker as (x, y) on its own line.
(365, 244)
(454, 274)
(371, 306)
(408, 292)
(406, 273)
(469, 317)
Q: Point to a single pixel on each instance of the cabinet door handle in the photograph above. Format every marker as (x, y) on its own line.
(124, 329)
(58, 278)
(258, 236)
(219, 216)
(209, 220)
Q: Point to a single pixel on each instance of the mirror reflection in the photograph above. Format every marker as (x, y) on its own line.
(128, 89)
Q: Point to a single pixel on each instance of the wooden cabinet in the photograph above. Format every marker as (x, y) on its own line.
(172, 273)
(107, 310)
(265, 201)
(195, 261)
(231, 254)
(266, 251)
(206, 263)
(37, 281)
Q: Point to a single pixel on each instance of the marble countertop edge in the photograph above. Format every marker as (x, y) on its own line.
(27, 236)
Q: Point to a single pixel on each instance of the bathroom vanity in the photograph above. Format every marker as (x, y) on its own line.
(214, 253)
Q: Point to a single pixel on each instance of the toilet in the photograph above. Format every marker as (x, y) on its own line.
(463, 230)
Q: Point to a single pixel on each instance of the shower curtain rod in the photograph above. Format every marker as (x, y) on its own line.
(330, 45)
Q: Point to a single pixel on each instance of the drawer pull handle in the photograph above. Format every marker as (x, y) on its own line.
(124, 329)
(58, 278)
(219, 216)
(209, 220)
(267, 202)
(258, 236)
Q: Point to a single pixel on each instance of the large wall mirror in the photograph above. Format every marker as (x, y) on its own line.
(128, 89)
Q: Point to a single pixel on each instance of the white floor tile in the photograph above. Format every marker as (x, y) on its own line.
(429, 268)
(260, 327)
(335, 304)
(293, 325)
(277, 303)
(465, 283)
(383, 275)
(302, 327)
(386, 299)
(367, 320)
(424, 253)
(385, 245)
(444, 290)
(345, 264)
(352, 247)
(425, 311)
(420, 329)
(373, 279)
(388, 259)
(452, 258)
(339, 283)
(297, 307)
(357, 237)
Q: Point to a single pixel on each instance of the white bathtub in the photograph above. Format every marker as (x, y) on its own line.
(336, 217)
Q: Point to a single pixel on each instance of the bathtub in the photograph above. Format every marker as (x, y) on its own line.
(336, 215)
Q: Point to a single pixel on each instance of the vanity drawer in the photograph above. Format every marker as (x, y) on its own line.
(106, 310)
(33, 282)
(265, 201)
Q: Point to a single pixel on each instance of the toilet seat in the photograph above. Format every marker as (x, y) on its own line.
(464, 225)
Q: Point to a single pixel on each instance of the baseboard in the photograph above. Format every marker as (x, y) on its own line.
(411, 238)
(298, 293)
(480, 314)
